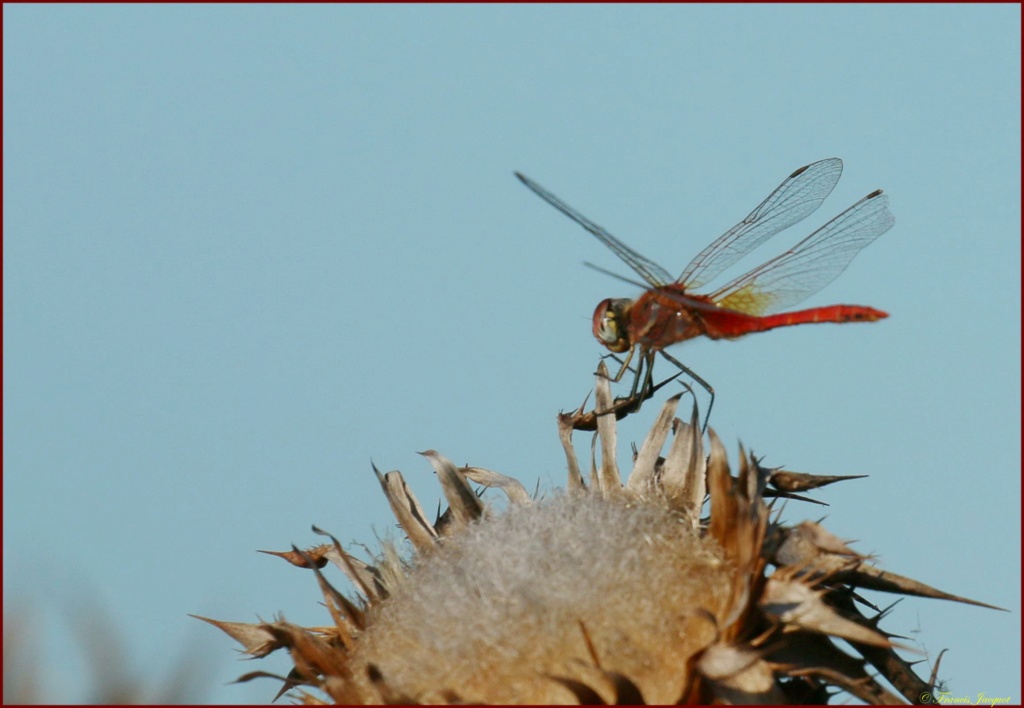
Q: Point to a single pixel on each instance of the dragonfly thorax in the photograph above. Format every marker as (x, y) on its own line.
(610, 320)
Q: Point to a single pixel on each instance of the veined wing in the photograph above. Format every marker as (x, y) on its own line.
(795, 199)
(811, 264)
(644, 267)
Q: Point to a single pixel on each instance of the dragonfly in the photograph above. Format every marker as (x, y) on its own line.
(670, 311)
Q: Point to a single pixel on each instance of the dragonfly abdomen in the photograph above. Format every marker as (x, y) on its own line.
(817, 315)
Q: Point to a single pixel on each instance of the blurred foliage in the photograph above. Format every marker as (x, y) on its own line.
(115, 679)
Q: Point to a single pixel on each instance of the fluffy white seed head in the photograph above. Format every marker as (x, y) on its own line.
(516, 595)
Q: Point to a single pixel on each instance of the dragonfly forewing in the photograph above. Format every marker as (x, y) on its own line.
(794, 200)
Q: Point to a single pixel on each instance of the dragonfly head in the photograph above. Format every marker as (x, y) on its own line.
(610, 323)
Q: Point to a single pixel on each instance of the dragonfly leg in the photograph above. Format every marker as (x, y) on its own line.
(693, 375)
(624, 367)
(640, 392)
(646, 390)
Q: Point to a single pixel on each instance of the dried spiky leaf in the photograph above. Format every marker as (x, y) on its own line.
(787, 481)
(683, 472)
(642, 478)
(575, 477)
(348, 618)
(513, 488)
(792, 602)
(720, 487)
(811, 545)
(609, 479)
(316, 554)
(872, 578)
(463, 503)
(292, 680)
(314, 658)
(255, 638)
(365, 578)
(407, 510)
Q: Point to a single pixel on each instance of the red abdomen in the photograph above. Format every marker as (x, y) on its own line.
(729, 325)
(831, 313)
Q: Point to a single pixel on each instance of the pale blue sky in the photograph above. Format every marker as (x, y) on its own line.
(249, 249)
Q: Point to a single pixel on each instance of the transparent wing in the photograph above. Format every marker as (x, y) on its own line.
(795, 199)
(811, 264)
(644, 267)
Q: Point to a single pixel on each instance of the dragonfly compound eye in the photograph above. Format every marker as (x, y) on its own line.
(609, 324)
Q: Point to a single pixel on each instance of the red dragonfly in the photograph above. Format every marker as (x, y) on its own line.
(670, 312)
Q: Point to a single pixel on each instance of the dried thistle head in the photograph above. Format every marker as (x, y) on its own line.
(605, 593)
(570, 585)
